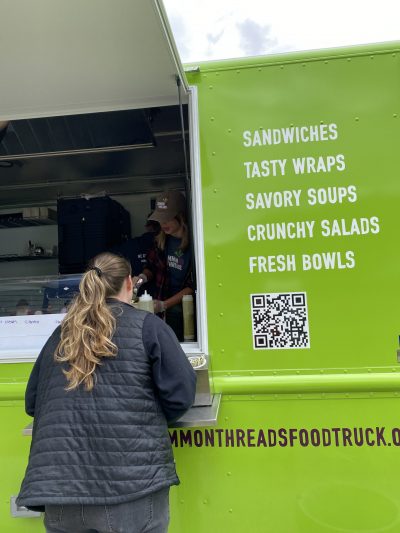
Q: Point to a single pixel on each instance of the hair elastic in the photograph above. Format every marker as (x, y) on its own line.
(98, 271)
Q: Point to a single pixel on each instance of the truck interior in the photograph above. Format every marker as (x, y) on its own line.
(130, 156)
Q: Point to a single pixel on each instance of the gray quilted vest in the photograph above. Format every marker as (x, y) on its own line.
(110, 445)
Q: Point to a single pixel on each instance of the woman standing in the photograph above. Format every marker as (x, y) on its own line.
(101, 393)
(169, 262)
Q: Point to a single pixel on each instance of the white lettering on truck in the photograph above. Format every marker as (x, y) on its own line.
(294, 134)
(265, 168)
(266, 200)
(315, 165)
(281, 230)
(272, 263)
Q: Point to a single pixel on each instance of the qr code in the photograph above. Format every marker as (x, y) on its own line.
(280, 321)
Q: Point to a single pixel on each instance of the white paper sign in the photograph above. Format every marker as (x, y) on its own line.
(22, 337)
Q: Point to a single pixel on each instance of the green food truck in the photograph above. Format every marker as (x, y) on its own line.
(290, 165)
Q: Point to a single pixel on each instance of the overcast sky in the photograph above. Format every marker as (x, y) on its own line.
(219, 29)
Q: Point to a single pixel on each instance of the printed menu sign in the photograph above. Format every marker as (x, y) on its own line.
(295, 169)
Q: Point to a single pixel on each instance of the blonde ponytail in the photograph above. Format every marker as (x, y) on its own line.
(89, 324)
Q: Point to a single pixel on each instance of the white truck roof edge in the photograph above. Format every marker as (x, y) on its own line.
(72, 57)
(159, 5)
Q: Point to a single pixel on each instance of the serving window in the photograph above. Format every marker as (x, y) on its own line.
(58, 175)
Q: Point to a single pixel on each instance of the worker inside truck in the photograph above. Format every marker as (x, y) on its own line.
(136, 249)
(169, 262)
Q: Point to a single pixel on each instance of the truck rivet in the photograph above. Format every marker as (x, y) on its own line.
(217, 73)
(357, 119)
(369, 370)
(210, 86)
(218, 256)
(219, 284)
(229, 131)
(372, 57)
(345, 371)
(274, 373)
(281, 67)
(393, 55)
(222, 350)
(215, 190)
(217, 225)
(213, 153)
(205, 502)
(212, 119)
(325, 62)
(396, 393)
(349, 59)
(182, 501)
(297, 371)
(231, 510)
(259, 70)
(229, 473)
(238, 72)
(252, 373)
(321, 121)
(221, 314)
(303, 65)
(394, 115)
(321, 371)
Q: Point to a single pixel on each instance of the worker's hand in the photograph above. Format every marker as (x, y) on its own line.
(139, 280)
(159, 306)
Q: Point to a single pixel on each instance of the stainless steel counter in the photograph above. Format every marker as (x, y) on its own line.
(200, 416)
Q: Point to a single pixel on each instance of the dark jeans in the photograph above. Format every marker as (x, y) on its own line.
(149, 514)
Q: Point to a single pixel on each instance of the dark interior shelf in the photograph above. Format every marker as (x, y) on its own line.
(4, 258)
(28, 217)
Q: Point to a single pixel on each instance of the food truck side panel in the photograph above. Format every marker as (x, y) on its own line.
(304, 348)
(300, 198)
(244, 474)
(284, 455)
(291, 463)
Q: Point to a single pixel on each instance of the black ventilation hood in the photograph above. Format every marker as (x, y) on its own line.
(83, 133)
(38, 179)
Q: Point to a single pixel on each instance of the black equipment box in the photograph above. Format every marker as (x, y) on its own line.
(87, 227)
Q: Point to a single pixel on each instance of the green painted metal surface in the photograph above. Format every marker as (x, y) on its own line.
(352, 101)
(235, 476)
(290, 489)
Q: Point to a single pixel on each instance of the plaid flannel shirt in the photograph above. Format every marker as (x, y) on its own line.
(156, 262)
